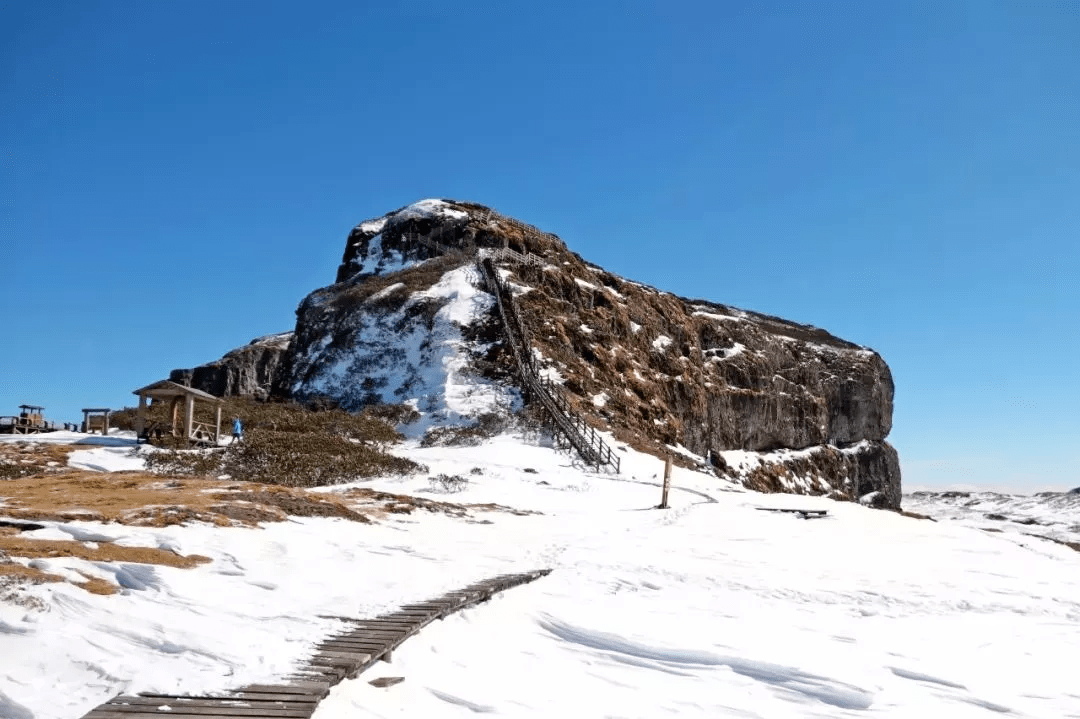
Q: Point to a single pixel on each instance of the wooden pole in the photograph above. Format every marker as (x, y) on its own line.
(140, 418)
(105, 424)
(667, 483)
(217, 424)
(189, 416)
(175, 414)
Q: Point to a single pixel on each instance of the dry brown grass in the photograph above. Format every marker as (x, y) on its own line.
(102, 552)
(26, 458)
(144, 499)
(381, 504)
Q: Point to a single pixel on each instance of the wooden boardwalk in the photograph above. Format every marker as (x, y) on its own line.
(339, 657)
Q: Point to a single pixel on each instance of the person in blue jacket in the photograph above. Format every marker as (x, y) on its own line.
(237, 430)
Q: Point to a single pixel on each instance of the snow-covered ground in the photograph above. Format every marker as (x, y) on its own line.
(1046, 514)
(710, 608)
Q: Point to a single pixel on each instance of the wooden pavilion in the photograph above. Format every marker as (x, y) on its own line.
(96, 419)
(194, 431)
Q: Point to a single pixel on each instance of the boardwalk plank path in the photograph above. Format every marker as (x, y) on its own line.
(338, 657)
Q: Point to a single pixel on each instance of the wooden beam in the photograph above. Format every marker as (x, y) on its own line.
(140, 418)
(189, 415)
(175, 414)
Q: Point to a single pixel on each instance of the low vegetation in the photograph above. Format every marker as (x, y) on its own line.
(287, 443)
(483, 427)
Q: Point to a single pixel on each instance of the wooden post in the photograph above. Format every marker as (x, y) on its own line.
(140, 418)
(189, 416)
(105, 424)
(175, 414)
(667, 483)
(86, 422)
(217, 424)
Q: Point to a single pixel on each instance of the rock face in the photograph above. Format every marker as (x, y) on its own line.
(407, 321)
(246, 371)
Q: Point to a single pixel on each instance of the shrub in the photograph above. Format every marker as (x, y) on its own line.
(308, 459)
(319, 414)
(449, 483)
(10, 470)
(484, 426)
(394, 414)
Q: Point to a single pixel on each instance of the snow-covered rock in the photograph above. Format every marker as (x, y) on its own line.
(407, 322)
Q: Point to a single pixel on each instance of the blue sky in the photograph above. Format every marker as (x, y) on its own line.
(905, 175)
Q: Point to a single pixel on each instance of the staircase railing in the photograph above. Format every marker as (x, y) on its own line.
(581, 436)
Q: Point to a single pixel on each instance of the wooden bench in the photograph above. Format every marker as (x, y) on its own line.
(803, 513)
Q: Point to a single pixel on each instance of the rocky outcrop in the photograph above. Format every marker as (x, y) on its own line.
(248, 371)
(407, 321)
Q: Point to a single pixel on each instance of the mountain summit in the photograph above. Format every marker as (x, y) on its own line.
(460, 312)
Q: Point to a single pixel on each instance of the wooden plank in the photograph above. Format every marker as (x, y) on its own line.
(387, 624)
(409, 613)
(434, 604)
(388, 632)
(140, 712)
(346, 645)
(271, 696)
(417, 618)
(298, 687)
(372, 649)
(385, 620)
(179, 704)
(333, 674)
(202, 713)
(378, 633)
(357, 657)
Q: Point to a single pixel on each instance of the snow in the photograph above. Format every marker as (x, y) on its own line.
(378, 260)
(1050, 514)
(709, 608)
(407, 362)
(586, 285)
(661, 343)
(385, 292)
(108, 459)
(716, 317)
(725, 353)
(428, 209)
(373, 226)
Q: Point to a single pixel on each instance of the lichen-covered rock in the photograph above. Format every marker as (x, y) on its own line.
(248, 371)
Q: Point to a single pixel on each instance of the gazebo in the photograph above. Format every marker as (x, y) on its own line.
(96, 418)
(194, 431)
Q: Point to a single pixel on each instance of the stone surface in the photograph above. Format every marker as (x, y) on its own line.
(247, 371)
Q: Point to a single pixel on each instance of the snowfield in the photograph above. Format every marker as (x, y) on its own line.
(710, 608)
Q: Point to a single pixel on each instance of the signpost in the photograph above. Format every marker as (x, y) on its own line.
(667, 483)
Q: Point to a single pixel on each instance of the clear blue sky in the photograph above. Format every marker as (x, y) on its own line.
(905, 175)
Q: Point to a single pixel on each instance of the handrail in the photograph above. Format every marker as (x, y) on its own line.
(580, 434)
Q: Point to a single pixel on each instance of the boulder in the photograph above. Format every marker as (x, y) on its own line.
(248, 371)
